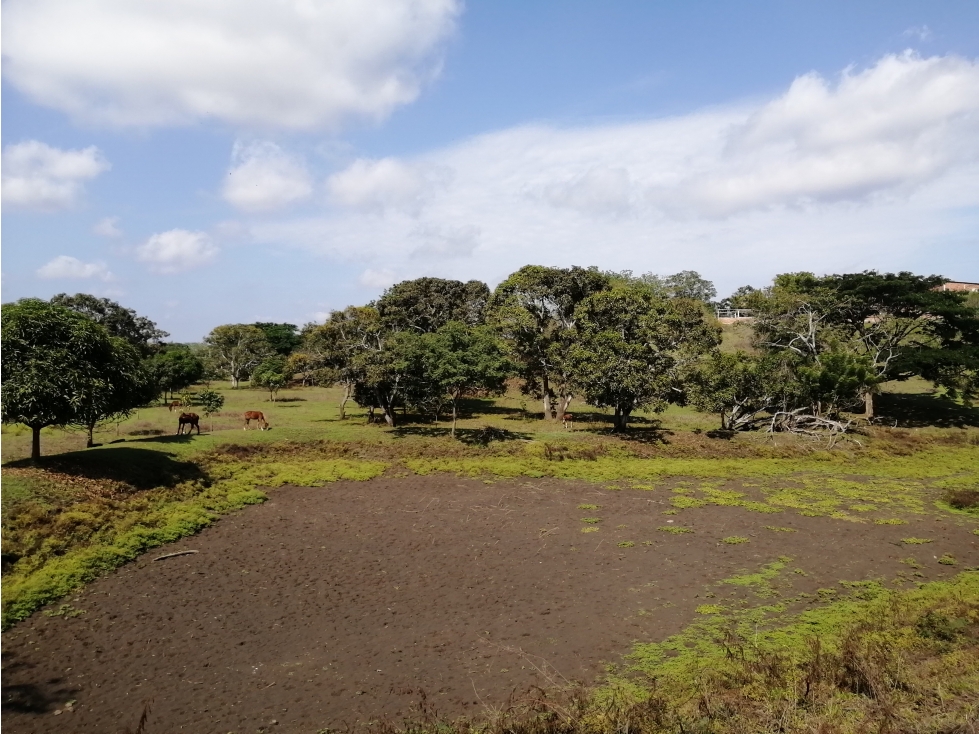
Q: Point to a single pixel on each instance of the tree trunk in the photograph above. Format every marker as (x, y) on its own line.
(621, 418)
(234, 382)
(547, 398)
(868, 404)
(343, 403)
(386, 409)
(35, 443)
(723, 426)
(563, 404)
(453, 432)
(91, 442)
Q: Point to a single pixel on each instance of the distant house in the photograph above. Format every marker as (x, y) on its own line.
(953, 285)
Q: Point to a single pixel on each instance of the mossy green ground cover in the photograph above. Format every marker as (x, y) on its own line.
(80, 513)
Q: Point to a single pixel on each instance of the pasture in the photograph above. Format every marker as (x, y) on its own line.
(349, 573)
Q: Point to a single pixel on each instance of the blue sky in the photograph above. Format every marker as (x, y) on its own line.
(209, 161)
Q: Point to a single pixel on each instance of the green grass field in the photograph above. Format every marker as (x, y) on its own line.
(81, 512)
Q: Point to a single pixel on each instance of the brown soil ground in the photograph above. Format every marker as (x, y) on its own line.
(341, 604)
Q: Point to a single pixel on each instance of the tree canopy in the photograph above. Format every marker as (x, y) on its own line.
(631, 349)
(282, 338)
(119, 321)
(61, 368)
(427, 304)
(236, 349)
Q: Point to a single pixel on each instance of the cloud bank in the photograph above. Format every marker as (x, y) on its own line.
(263, 177)
(39, 177)
(856, 172)
(291, 64)
(67, 267)
(177, 250)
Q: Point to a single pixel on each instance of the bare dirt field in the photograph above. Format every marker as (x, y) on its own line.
(342, 604)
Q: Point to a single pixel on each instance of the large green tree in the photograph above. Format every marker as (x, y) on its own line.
(533, 310)
(895, 325)
(236, 349)
(461, 360)
(174, 369)
(119, 321)
(427, 304)
(282, 338)
(272, 374)
(61, 368)
(339, 345)
(122, 384)
(632, 348)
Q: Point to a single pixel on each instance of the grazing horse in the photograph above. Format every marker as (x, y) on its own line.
(192, 421)
(568, 421)
(174, 404)
(257, 416)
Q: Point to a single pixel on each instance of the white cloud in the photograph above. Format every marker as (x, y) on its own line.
(38, 176)
(263, 177)
(860, 172)
(108, 227)
(377, 278)
(921, 32)
(445, 242)
(177, 250)
(283, 63)
(65, 267)
(380, 185)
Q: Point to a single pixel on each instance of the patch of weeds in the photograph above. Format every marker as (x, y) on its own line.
(647, 542)
(963, 499)
(591, 520)
(824, 594)
(65, 610)
(890, 521)
(910, 561)
(776, 529)
(677, 512)
(760, 581)
(674, 529)
(915, 541)
(590, 529)
(947, 560)
(626, 544)
(685, 503)
(735, 540)
(939, 626)
(863, 508)
(799, 572)
(588, 507)
(709, 609)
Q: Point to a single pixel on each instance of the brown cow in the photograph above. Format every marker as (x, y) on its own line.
(191, 420)
(257, 416)
(568, 421)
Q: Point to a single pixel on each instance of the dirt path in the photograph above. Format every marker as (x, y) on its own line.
(339, 604)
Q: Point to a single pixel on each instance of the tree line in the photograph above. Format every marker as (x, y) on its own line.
(819, 345)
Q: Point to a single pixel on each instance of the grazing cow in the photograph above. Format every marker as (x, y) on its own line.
(174, 404)
(257, 416)
(568, 421)
(192, 421)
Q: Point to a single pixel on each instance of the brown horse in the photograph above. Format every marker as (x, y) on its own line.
(192, 421)
(174, 404)
(568, 421)
(257, 416)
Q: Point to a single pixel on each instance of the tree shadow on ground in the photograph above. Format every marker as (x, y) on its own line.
(920, 410)
(469, 436)
(290, 400)
(137, 467)
(649, 431)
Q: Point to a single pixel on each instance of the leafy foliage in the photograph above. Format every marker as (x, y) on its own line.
(272, 374)
(119, 321)
(62, 368)
(236, 349)
(282, 338)
(631, 348)
(425, 305)
(175, 369)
